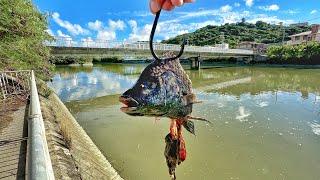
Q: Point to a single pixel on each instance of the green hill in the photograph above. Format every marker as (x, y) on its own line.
(238, 32)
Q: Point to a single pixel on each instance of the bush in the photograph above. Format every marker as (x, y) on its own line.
(22, 36)
(107, 60)
(65, 60)
(298, 54)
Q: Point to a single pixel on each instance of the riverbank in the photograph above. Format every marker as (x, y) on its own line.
(74, 155)
(223, 62)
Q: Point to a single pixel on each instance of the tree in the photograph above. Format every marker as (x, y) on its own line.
(22, 36)
(261, 24)
(243, 20)
(237, 32)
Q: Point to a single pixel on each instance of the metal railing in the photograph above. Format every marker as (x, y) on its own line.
(15, 83)
(39, 162)
(143, 45)
(22, 84)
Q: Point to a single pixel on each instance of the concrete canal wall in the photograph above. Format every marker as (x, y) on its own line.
(73, 153)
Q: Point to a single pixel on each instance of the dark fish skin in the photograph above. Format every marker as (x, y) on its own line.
(163, 89)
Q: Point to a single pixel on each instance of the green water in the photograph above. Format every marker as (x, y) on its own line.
(265, 123)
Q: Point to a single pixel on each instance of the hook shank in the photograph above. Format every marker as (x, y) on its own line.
(153, 30)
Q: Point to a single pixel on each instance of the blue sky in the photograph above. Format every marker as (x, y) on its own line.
(130, 20)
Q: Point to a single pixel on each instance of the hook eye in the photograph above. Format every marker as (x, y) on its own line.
(153, 30)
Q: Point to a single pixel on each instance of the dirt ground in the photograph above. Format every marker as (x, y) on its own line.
(13, 138)
(7, 108)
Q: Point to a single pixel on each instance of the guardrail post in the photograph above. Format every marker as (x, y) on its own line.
(39, 162)
(2, 86)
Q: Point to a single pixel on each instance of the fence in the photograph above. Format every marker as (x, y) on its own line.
(39, 162)
(15, 83)
(22, 84)
(142, 45)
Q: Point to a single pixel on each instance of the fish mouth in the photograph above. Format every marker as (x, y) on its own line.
(130, 104)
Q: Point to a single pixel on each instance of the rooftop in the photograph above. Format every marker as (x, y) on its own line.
(249, 42)
(301, 34)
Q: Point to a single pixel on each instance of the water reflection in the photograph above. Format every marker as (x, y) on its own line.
(267, 128)
(71, 83)
(74, 83)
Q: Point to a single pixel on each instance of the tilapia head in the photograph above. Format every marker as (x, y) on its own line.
(161, 88)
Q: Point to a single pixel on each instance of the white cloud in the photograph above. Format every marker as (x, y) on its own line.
(249, 3)
(269, 19)
(74, 29)
(116, 25)
(313, 11)
(88, 39)
(226, 8)
(97, 25)
(194, 14)
(64, 39)
(273, 7)
(139, 34)
(88, 42)
(165, 30)
(291, 11)
(236, 4)
(177, 25)
(134, 25)
(60, 34)
(106, 33)
(171, 26)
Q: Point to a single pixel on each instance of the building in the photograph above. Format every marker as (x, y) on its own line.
(304, 37)
(303, 24)
(256, 47)
(222, 46)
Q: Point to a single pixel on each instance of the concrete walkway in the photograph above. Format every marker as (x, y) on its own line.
(13, 140)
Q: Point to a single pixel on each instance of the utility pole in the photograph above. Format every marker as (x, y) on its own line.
(283, 32)
(222, 37)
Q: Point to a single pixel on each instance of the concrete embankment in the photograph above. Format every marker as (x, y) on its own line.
(73, 153)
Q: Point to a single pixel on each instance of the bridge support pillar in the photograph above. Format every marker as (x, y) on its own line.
(195, 63)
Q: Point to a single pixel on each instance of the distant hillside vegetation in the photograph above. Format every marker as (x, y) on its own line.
(235, 33)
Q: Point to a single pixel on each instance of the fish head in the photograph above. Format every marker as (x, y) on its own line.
(160, 87)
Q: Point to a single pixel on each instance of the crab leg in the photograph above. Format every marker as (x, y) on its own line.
(173, 129)
(198, 118)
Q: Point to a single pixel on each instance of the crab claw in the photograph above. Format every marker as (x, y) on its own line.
(182, 149)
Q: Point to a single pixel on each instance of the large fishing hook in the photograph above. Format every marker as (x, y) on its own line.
(153, 30)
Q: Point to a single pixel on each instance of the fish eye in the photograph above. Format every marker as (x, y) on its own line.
(142, 85)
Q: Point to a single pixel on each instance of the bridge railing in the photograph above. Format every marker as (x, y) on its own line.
(143, 45)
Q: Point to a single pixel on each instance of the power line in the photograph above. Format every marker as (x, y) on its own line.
(314, 18)
(310, 19)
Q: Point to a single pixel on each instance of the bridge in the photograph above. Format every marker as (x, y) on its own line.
(138, 50)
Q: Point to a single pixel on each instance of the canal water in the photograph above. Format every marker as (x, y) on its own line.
(265, 122)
